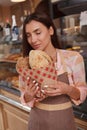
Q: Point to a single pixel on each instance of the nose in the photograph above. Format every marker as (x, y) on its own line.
(33, 39)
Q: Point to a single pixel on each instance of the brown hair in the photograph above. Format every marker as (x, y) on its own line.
(46, 21)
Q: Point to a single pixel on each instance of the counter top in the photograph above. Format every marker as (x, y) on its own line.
(10, 89)
(14, 103)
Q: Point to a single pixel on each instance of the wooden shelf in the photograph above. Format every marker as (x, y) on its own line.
(82, 125)
(5, 60)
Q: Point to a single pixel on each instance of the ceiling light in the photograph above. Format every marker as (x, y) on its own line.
(17, 0)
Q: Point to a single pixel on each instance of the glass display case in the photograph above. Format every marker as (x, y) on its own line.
(9, 54)
(8, 74)
(72, 34)
(69, 17)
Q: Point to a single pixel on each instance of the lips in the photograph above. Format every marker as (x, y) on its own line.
(36, 46)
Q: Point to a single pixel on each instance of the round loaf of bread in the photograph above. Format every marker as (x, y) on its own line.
(38, 59)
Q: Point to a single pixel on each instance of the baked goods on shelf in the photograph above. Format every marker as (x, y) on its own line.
(5, 73)
(9, 79)
(14, 81)
(13, 57)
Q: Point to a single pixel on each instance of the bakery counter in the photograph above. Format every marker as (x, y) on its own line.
(14, 103)
(12, 96)
(13, 115)
(10, 90)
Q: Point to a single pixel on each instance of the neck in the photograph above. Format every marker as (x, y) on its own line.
(52, 53)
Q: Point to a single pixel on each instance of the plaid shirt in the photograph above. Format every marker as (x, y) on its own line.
(72, 63)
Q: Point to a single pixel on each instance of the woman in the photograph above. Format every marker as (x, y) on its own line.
(53, 110)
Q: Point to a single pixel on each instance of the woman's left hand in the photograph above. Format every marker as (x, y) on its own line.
(58, 89)
(42, 96)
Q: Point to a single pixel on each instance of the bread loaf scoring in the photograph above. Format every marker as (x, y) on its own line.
(38, 59)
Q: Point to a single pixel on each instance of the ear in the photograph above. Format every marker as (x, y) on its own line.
(51, 31)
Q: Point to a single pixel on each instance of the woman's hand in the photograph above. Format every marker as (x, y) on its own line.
(58, 89)
(42, 96)
(33, 91)
(63, 88)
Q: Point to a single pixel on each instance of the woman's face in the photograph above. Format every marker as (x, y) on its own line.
(38, 35)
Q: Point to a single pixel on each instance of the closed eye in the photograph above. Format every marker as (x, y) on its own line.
(38, 33)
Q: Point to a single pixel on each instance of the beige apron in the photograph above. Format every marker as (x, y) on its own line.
(61, 118)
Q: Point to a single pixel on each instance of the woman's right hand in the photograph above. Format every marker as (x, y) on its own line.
(31, 90)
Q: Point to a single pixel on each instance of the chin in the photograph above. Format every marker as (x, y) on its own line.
(39, 49)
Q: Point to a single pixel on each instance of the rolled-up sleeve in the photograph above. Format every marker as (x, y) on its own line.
(78, 77)
(22, 87)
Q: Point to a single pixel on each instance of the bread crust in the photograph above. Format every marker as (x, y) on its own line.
(38, 59)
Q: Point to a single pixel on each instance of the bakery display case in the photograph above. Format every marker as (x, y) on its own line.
(8, 74)
(72, 34)
(12, 112)
(9, 54)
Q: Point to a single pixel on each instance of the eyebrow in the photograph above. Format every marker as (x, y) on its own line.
(36, 29)
(33, 31)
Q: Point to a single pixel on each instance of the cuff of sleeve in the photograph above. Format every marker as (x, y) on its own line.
(83, 94)
(30, 104)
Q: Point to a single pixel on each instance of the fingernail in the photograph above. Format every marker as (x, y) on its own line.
(28, 78)
(42, 91)
(37, 87)
(36, 84)
(34, 81)
(45, 86)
